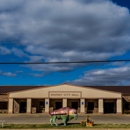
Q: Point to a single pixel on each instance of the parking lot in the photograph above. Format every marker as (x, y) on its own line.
(44, 118)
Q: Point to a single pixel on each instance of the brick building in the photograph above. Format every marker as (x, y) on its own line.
(86, 99)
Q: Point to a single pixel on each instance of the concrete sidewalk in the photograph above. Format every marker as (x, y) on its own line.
(69, 129)
(44, 119)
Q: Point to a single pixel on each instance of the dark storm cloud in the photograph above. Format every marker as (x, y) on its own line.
(65, 30)
(10, 5)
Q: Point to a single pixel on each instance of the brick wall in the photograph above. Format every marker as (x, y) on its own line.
(16, 105)
(3, 97)
(95, 105)
(53, 103)
(69, 103)
(126, 98)
(38, 105)
(126, 104)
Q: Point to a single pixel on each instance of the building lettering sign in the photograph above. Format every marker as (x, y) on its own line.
(64, 94)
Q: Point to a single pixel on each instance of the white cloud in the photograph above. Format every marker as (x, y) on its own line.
(10, 74)
(4, 50)
(50, 67)
(19, 71)
(37, 75)
(112, 76)
(35, 58)
(0, 71)
(65, 30)
(19, 52)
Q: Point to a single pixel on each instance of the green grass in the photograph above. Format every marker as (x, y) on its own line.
(70, 125)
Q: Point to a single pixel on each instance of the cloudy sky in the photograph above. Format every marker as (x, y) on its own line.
(64, 30)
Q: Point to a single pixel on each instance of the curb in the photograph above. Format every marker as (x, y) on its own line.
(71, 129)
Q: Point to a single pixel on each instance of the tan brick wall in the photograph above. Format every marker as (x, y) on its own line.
(114, 101)
(16, 106)
(110, 100)
(126, 98)
(53, 103)
(126, 104)
(3, 97)
(95, 105)
(36, 108)
(69, 103)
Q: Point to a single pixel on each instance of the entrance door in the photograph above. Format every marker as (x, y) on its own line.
(23, 106)
(75, 105)
(90, 107)
(108, 107)
(58, 105)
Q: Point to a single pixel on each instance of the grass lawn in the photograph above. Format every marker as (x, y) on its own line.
(75, 126)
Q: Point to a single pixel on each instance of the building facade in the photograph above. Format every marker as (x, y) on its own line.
(44, 99)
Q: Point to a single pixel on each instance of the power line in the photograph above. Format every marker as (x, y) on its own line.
(68, 62)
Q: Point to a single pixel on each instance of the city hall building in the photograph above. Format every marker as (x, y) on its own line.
(86, 99)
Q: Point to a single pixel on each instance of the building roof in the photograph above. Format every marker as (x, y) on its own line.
(121, 89)
(7, 89)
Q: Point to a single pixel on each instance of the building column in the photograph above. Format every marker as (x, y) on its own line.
(100, 106)
(82, 105)
(29, 105)
(64, 103)
(10, 106)
(119, 106)
(46, 105)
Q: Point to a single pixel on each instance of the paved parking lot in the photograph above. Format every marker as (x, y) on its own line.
(44, 118)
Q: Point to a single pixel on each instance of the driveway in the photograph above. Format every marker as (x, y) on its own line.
(44, 118)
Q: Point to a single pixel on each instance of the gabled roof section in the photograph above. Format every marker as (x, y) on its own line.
(92, 87)
(121, 89)
(7, 89)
